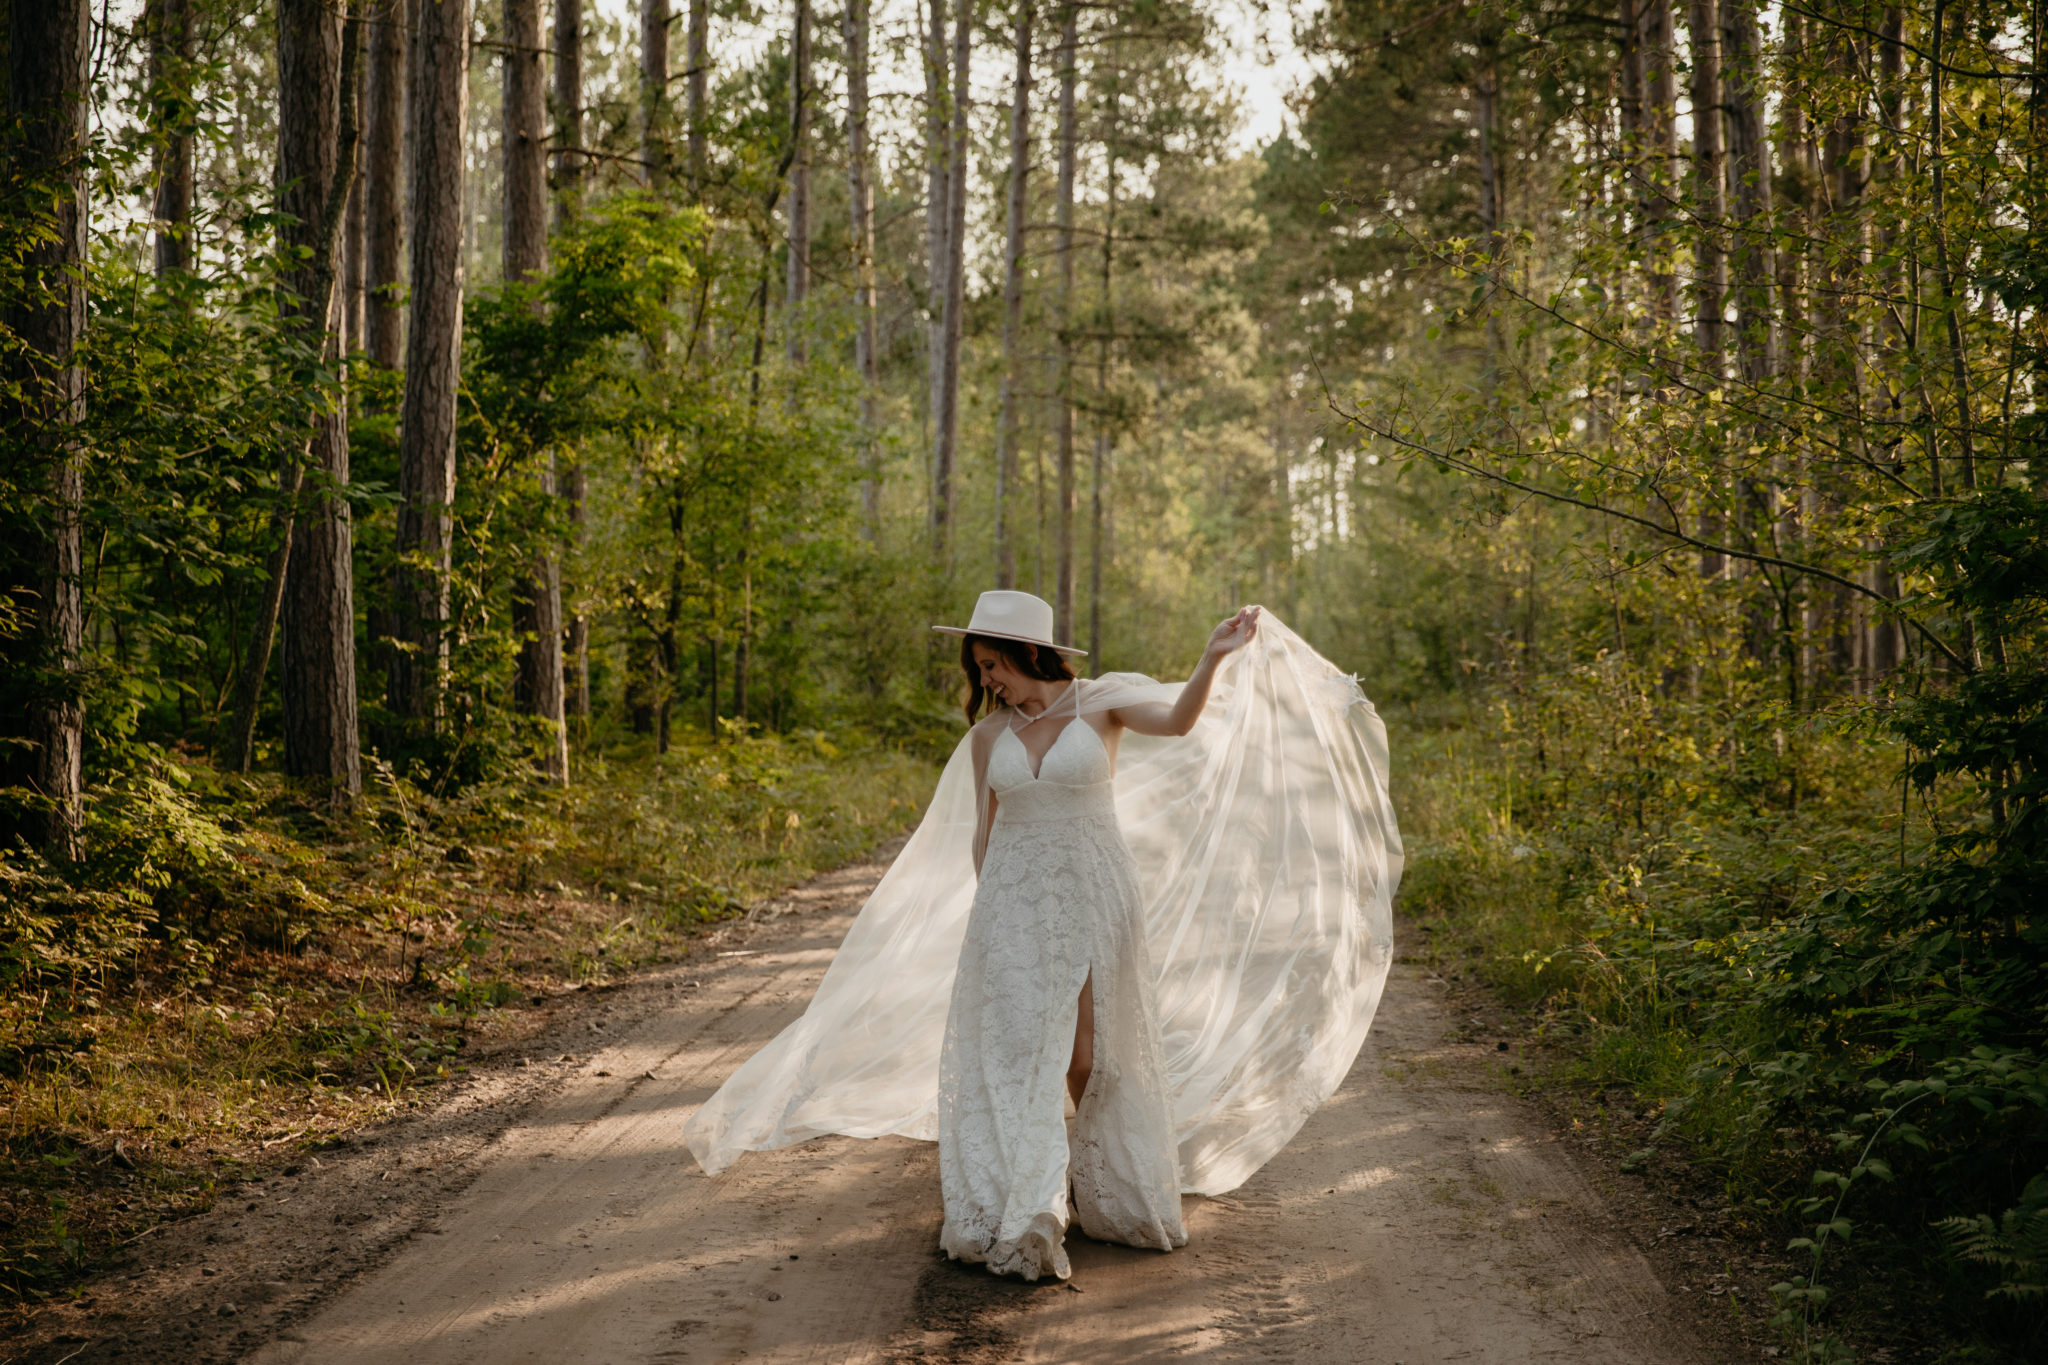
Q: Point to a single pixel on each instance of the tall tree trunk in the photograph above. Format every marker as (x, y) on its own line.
(1846, 228)
(799, 262)
(567, 111)
(947, 419)
(1710, 212)
(1796, 192)
(172, 115)
(523, 144)
(1747, 88)
(1659, 48)
(1492, 203)
(1945, 271)
(1794, 197)
(861, 196)
(1007, 420)
(1629, 46)
(1106, 321)
(938, 222)
(1885, 647)
(536, 595)
(569, 173)
(1634, 139)
(309, 581)
(439, 113)
(1745, 91)
(316, 151)
(654, 19)
(1063, 594)
(384, 185)
(697, 52)
(1283, 503)
(48, 99)
(355, 233)
(1709, 180)
(654, 120)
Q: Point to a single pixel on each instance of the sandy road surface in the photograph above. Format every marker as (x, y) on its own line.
(1423, 1215)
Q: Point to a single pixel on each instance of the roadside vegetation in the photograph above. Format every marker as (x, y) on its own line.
(1776, 932)
(238, 975)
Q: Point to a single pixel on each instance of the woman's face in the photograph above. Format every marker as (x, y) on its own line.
(998, 674)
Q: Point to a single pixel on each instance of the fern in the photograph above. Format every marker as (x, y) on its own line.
(2015, 1245)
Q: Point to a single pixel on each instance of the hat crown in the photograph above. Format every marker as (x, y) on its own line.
(1005, 614)
(1019, 615)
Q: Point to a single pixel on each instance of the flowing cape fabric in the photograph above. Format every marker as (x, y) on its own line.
(1268, 856)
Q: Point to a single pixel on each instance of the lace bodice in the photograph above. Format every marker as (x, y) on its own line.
(1073, 780)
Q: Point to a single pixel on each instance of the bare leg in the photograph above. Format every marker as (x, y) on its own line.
(1083, 1063)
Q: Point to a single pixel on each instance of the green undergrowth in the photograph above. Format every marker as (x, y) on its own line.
(234, 974)
(1751, 920)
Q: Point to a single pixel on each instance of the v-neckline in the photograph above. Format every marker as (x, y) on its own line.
(1072, 721)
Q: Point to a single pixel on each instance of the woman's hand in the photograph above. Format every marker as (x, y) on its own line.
(1233, 634)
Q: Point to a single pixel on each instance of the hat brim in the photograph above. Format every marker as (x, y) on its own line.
(1004, 635)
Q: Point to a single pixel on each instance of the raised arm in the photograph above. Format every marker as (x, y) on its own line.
(1159, 718)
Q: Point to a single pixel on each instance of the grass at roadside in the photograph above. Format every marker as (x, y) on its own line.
(1659, 893)
(241, 976)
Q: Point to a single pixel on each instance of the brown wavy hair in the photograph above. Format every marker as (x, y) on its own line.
(1042, 662)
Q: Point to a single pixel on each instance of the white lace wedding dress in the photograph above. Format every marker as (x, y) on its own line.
(1058, 905)
(1232, 892)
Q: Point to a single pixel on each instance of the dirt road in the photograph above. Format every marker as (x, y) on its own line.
(1423, 1215)
(550, 1213)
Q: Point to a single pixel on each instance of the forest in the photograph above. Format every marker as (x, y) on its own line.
(477, 479)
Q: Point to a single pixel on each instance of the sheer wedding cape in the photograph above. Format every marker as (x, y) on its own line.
(1268, 857)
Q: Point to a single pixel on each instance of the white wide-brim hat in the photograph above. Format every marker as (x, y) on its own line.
(1007, 615)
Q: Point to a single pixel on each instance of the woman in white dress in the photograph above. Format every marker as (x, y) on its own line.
(1135, 942)
(1054, 971)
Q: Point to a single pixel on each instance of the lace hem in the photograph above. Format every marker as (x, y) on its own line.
(1041, 1251)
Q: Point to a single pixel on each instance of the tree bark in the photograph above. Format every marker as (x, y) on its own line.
(1945, 272)
(798, 284)
(1659, 49)
(1749, 161)
(1492, 204)
(316, 150)
(168, 24)
(355, 237)
(439, 113)
(697, 52)
(855, 27)
(1709, 211)
(568, 110)
(1710, 196)
(1629, 44)
(1793, 197)
(536, 594)
(48, 99)
(938, 160)
(1063, 593)
(1885, 645)
(569, 174)
(654, 20)
(947, 419)
(1007, 419)
(384, 185)
(1106, 320)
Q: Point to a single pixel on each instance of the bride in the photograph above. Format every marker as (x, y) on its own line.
(1100, 985)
